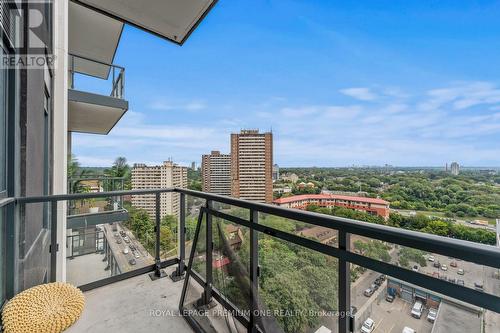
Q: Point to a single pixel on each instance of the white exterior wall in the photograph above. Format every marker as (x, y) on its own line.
(60, 112)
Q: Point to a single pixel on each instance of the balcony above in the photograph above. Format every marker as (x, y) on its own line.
(92, 112)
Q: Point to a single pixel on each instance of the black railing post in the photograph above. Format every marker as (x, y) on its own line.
(344, 286)
(158, 273)
(178, 274)
(207, 295)
(54, 247)
(254, 271)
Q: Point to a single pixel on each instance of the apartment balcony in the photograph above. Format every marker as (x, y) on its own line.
(241, 266)
(95, 112)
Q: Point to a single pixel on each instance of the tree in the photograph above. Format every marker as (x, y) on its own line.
(120, 169)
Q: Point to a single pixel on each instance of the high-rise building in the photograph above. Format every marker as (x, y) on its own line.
(216, 173)
(166, 175)
(193, 165)
(455, 168)
(276, 172)
(252, 165)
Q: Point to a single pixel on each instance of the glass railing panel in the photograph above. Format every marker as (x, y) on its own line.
(298, 288)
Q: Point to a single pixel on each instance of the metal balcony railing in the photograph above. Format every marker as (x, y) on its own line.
(110, 72)
(214, 240)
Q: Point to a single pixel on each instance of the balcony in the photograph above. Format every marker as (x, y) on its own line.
(95, 112)
(238, 266)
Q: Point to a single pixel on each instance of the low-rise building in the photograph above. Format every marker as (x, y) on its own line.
(370, 205)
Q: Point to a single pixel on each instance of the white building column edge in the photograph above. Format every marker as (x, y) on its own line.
(60, 112)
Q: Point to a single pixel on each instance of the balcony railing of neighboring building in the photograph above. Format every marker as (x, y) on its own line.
(218, 274)
(98, 69)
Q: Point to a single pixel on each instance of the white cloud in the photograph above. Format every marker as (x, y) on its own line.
(363, 94)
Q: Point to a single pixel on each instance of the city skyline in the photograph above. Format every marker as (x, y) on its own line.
(343, 103)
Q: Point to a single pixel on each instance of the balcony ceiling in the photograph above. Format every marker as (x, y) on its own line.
(171, 19)
(95, 36)
(92, 113)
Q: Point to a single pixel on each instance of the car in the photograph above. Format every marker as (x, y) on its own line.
(368, 292)
(460, 271)
(378, 282)
(119, 241)
(453, 264)
(381, 277)
(444, 267)
(417, 309)
(407, 329)
(461, 282)
(431, 316)
(452, 280)
(389, 298)
(132, 262)
(478, 286)
(122, 233)
(415, 268)
(374, 286)
(368, 326)
(431, 258)
(137, 255)
(436, 264)
(126, 239)
(125, 250)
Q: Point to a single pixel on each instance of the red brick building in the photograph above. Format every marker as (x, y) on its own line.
(371, 205)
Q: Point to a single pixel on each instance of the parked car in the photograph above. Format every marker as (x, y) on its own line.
(431, 258)
(452, 280)
(460, 271)
(461, 282)
(368, 326)
(125, 250)
(431, 316)
(453, 264)
(353, 310)
(436, 264)
(415, 268)
(368, 292)
(407, 329)
(478, 286)
(389, 298)
(381, 277)
(132, 262)
(444, 267)
(118, 241)
(416, 310)
(374, 286)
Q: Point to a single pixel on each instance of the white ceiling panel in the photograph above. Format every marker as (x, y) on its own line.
(171, 19)
(94, 36)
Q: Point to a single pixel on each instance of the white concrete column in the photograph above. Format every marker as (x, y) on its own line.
(60, 112)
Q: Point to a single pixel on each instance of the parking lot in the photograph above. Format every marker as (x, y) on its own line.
(393, 317)
(472, 273)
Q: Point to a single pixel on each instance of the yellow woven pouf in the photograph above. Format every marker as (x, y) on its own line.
(47, 308)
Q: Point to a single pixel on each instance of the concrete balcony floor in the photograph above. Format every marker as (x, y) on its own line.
(134, 305)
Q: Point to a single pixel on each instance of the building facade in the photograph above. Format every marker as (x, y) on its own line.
(166, 175)
(455, 168)
(252, 165)
(216, 173)
(370, 205)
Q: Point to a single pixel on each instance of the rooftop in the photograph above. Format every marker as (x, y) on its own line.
(329, 196)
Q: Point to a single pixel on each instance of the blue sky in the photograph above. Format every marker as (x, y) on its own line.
(408, 83)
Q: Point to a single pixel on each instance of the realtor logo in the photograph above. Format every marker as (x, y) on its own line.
(28, 25)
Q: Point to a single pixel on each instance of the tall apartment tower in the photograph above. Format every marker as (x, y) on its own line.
(455, 168)
(216, 173)
(252, 165)
(160, 176)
